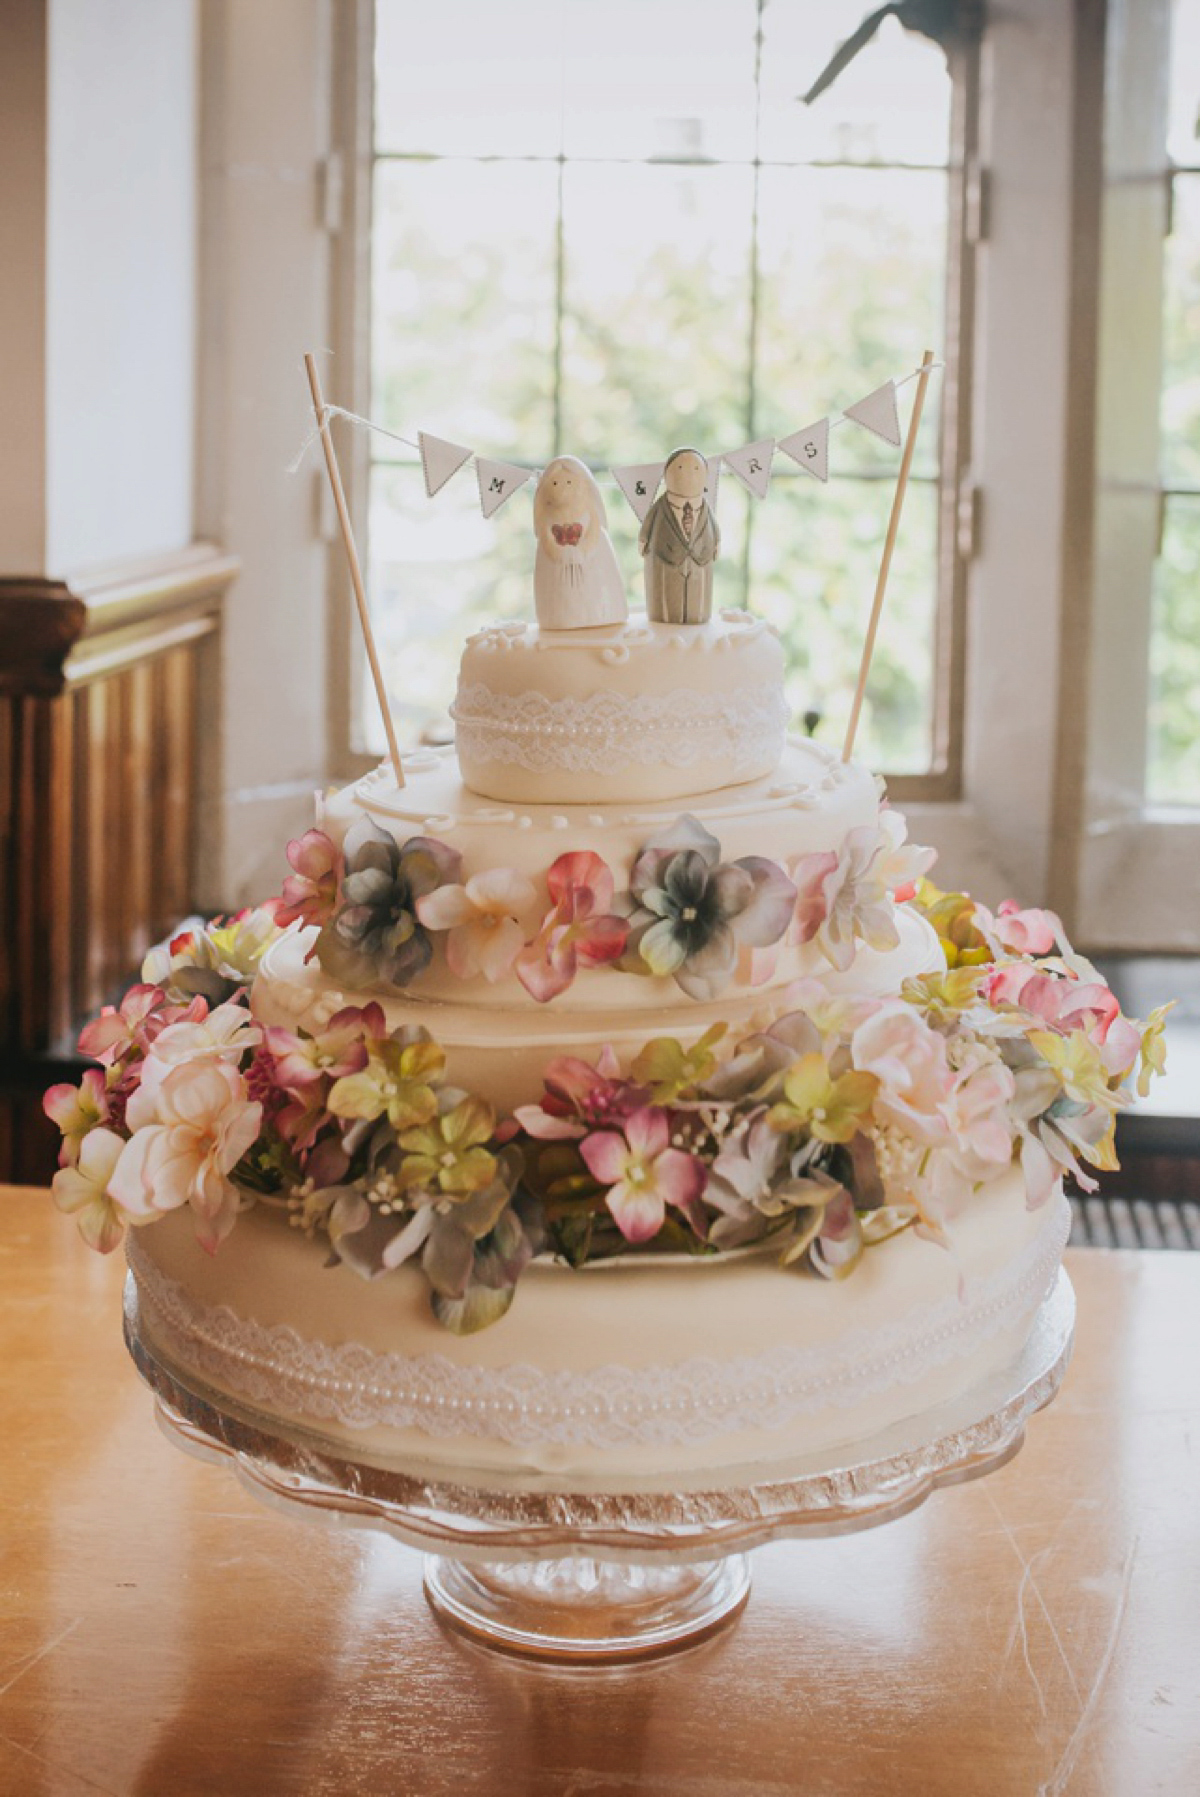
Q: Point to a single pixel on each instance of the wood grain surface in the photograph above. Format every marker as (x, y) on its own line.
(162, 1634)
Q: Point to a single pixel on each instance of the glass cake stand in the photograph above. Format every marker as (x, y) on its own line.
(576, 1571)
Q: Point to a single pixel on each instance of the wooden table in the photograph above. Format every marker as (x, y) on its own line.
(163, 1634)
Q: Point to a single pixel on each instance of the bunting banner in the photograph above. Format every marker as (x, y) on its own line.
(639, 482)
(752, 465)
(878, 413)
(440, 460)
(498, 481)
(810, 448)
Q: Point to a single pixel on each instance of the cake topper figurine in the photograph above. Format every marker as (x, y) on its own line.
(679, 542)
(576, 581)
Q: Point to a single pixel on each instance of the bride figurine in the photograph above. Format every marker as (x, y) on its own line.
(576, 581)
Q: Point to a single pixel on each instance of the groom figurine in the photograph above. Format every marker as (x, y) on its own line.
(679, 542)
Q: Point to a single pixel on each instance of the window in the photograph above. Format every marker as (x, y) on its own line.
(1173, 758)
(1139, 835)
(612, 228)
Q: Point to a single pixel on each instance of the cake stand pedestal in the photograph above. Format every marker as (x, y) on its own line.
(575, 1570)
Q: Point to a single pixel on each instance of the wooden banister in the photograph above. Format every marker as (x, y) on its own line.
(101, 682)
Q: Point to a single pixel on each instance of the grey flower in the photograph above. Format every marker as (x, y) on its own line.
(754, 1185)
(375, 934)
(756, 1071)
(691, 912)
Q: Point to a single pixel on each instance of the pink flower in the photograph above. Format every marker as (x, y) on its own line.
(229, 1031)
(846, 899)
(1028, 932)
(812, 875)
(481, 918)
(192, 1124)
(143, 1012)
(580, 1097)
(1064, 1005)
(579, 931)
(909, 1061)
(310, 893)
(644, 1174)
(340, 1048)
(82, 1191)
(79, 1109)
(977, 1109)
(900, 864)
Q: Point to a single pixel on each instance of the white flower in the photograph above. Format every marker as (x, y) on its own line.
(190, 1131)
(82, 1191)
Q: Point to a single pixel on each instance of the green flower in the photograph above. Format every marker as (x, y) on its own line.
(397, 1082)
(446, 1154)
(670, 1070)
(832, 1110)
(943, 997)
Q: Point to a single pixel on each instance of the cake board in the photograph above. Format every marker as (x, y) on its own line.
(575, 1570)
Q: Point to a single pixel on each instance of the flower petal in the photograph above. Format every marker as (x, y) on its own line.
(637, 1211)
(605, 1154)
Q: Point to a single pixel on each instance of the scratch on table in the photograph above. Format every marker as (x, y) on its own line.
(1057, 1783)
(58, 1768)
(33, 1658)
(1029, 1580)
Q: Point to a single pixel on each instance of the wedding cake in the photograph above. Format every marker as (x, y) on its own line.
(614, 1099)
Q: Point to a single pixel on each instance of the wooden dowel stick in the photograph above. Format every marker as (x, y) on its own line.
(886, 563)
(360, 594)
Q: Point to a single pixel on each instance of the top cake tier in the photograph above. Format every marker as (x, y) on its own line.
(634, 711)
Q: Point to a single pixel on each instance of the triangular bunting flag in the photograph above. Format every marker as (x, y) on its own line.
(752, 465)
(498, 481)
(712, 485)
(440, 460)
(878, 413)
(810, 447)
(639, 483)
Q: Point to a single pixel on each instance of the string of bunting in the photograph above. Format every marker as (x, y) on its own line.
(751, 463)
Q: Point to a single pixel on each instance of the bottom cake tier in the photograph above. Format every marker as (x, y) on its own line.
(644, 1367)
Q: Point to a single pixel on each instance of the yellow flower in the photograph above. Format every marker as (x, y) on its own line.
(952, 915)
(397, 1081)
(1154, 1048)
(833, 1110)
(1080, 1068)
(447, 1155)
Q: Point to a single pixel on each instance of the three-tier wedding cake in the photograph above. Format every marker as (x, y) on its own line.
(613, 1099)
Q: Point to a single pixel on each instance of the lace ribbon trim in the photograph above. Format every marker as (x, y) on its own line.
(608, 732)
(689, 1401)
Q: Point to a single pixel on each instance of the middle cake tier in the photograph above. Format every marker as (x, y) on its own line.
(815, 818)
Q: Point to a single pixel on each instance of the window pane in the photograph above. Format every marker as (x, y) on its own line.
(1173, 771)
(892, 104)
(814, 558)
(657, 309)
(464, 303)
(1180, 415)
(852, 285)
(438, 569)
(665, 79)
(460, 78)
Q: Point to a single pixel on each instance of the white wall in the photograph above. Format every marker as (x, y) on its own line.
(121, 262)
(264, 289)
